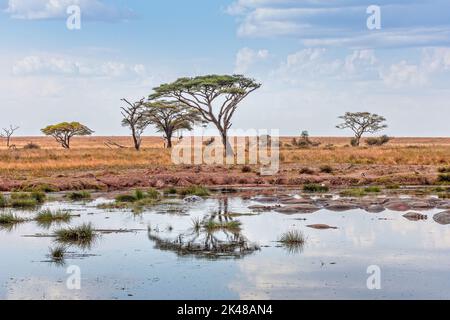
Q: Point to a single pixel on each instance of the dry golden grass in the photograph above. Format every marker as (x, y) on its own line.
(91, 153)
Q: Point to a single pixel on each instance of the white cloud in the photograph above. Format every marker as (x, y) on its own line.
(67, 66)
(246, 57)
(403, 74)
(343, 22)
(56, 9)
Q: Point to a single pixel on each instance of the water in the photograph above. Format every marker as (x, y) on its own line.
(413, 256)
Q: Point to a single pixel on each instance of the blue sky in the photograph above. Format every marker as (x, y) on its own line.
(316, 59)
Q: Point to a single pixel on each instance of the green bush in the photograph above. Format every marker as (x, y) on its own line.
(313, 187)
(3, 202)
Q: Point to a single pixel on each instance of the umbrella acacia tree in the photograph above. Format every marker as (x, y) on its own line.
(63, 132)
(215, 97)
(360, 123)
(171, 116)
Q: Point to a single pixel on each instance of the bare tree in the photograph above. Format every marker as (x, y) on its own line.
(360, 123)
(135, 118)
(8, 133)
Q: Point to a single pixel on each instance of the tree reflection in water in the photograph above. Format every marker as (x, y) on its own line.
(218, 236)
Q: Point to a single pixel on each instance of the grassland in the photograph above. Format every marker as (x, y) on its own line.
(91, 164)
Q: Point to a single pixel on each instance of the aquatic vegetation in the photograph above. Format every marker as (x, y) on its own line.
(138, 194)
(212, 226)
(23, 203)
(82, 235)
(171, 190)
(126, 198)
(152, 193)
(194, 191)
(79, 195)
(3, 202)
(47, 217)
(58, 253)
(292, 237)
(312, 187)
(8, 219)
(196, 224)
(355, 192)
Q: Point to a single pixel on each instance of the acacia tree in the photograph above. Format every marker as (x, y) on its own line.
(135, 117)
(8, 133)
(360, 123)
(171, 116)
(215, 97)
(63, 132)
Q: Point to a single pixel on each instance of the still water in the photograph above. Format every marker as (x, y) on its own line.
(125, 262)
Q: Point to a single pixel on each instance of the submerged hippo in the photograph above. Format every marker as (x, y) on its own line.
(415, 216)
(442, 218)
(299, 208)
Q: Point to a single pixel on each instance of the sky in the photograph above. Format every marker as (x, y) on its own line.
(315, 59)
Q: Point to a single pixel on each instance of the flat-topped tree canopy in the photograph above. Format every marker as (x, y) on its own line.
(216, 97)
(64, 131)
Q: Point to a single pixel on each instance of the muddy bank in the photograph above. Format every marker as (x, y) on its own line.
(183, 176)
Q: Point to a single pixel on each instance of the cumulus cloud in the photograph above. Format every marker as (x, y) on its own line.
(246, 57)
(404, 74)
(67, 66)
(56, 9)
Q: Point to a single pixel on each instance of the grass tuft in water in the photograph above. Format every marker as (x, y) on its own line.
(47, 216)
(194, 191)
(82, 235)
(79, 195)
(58, 253)
(8, 219)
(293, 237)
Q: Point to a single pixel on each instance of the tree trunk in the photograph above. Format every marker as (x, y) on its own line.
(228, 150)
(169, 139)
(137, 143)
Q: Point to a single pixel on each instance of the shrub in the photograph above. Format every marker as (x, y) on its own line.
(378, 141)
(326, 169)
(31, 146)
(444, 170)
(306, 171)
(312, 187)
(354, 142)
(444, 177)
(246, 169)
